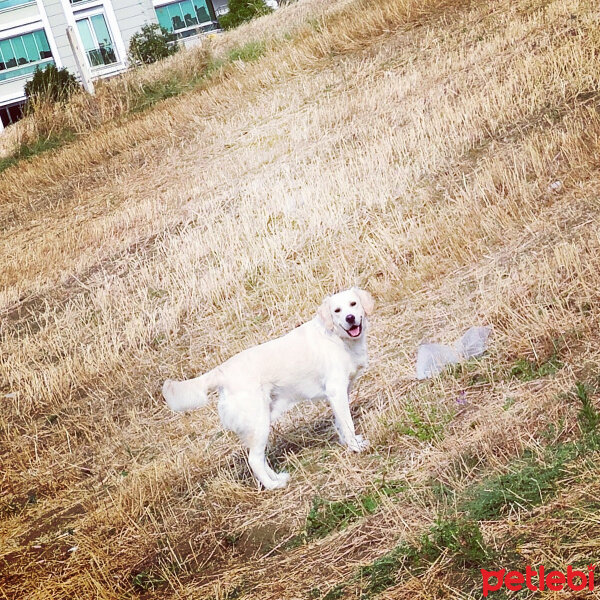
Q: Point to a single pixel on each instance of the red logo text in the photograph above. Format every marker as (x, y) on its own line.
(539, 580)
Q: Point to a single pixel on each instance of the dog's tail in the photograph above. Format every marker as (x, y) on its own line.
(192, 393)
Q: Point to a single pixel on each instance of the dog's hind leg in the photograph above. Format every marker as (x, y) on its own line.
(256, 439)
(262, 471)
(248, 416)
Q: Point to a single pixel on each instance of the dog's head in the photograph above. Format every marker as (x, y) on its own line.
(346, 313)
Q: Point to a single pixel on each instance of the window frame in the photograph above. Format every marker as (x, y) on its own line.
(191, 29)
(87, 15)
(29, 65)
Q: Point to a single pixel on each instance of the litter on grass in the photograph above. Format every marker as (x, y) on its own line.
(433, 358)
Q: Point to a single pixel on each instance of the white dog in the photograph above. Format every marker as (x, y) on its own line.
(318, 360)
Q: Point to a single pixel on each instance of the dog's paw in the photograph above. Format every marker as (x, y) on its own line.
(277, 484)
(358, 444)
(283, 479)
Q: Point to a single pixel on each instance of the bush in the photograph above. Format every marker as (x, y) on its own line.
(152, 43)
(50, 85)
(242, 11)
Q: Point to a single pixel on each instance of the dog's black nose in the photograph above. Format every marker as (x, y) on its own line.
(350, 318)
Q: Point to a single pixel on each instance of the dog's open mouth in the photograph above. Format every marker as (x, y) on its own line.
(355, 330)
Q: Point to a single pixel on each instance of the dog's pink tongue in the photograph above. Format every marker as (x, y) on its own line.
(354, 331)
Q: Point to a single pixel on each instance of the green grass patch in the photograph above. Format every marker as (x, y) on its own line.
(482, 370)
(473, 371)
(155, 92)
(214, 64)
(530, 481)
(508, 403)
(527, 484)
(391, 487)
(326, 517)
(146, 581)
(249, 52)
(462, 539)
(335, 592)
(588, 416)
(26, 151)
(527, 370)
(425, 422)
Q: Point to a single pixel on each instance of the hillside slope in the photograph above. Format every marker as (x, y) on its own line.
(443, 155)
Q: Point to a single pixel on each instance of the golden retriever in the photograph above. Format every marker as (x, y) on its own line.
(318, 360)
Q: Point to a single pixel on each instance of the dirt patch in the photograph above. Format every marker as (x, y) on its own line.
(260, 539)
(52, 522)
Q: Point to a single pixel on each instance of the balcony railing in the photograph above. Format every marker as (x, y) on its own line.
(4, 4)
(24, 70)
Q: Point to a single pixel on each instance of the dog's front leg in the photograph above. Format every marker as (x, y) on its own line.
(337, 395)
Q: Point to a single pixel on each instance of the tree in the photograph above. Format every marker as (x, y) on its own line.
(50, 85)
(242, 11)
(152, 43)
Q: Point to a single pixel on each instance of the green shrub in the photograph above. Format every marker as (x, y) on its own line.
(242, 11)
(152, 43)
(50, 85)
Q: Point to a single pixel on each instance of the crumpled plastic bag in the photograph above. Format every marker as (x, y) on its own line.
(433, 358)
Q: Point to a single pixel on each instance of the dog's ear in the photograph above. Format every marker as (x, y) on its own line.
(324, 313)
(366, 300)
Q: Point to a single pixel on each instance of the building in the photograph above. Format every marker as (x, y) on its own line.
(33, 34)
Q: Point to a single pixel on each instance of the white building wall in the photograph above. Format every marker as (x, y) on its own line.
(58, 26)
(132, 15)
(18, 15)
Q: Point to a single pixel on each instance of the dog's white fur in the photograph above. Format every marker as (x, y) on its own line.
(320, 359)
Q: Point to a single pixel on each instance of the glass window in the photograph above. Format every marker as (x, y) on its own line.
(42, 43)
(11, 114)
(85, 32)
(202, 11)
(97, 41)
(184, 14)
(19, 48)
(8, 56)
(162, 14)
(19, 53)
(189, 14)
(176, 15)
(31, 48)
(101, 30)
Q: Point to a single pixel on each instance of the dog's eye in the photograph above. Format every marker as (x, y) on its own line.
(337, 310)
(352, 303)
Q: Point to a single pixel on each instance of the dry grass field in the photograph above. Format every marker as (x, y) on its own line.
(442, 154)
